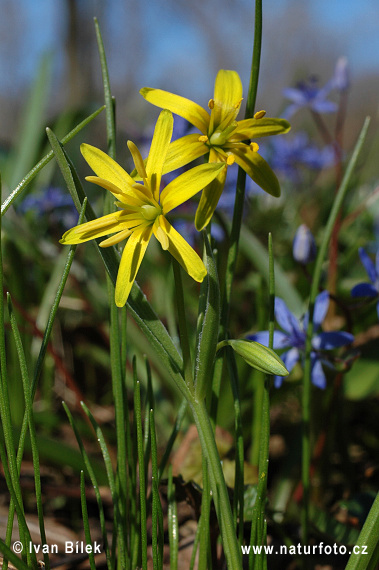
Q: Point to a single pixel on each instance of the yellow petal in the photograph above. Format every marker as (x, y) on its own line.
(130, 197)
(105, 167)
(182, 151)
(137, 159)
(255, 128)
(160, 234)
(113, 240)
(188, 184)
(96, 228)
(158, 150)
(227, 98)
(131, 258)
(209, 200)
(181, 106)
(183, 252)
(258, 169)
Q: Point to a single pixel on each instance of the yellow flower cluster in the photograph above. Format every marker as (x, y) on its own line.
(143, 207)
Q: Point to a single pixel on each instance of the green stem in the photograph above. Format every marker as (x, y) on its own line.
(238, 207)
(218, 486)
(306, 398)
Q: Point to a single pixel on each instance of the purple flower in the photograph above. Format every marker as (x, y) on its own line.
(308, 94)
(304, 245)
(54, 203)
(368, 289)
(290, 153)
(294, 334)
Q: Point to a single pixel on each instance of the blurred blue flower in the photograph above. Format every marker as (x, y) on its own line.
(309, 94)
(52, 202)
(290, 153)
(294, 334)
(368, 289)
(304, 245)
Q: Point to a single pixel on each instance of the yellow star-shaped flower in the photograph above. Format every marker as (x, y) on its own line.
(143, 208)
(222, 137)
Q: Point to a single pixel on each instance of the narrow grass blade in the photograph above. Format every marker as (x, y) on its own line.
(27, 388)
(157, 514)
(141, 464)
(93, 479)
(367, 542)
(306, 396)
(173, 529)
(22, 525)
(6, 420)
(87, 531)
(173, 436)
(11, 557)
(111, 128)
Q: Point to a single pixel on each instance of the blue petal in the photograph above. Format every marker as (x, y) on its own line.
(332, 339)
(377, 263)
(285, 318)
(317, 375)
(324, 106)
(377, 309)
(321, 308)
(278, 381)
(281, 339)
(290, 358)
(295, 95)
(367, 264)
(364, 290)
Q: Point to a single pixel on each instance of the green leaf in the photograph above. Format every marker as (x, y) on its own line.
(257, 356)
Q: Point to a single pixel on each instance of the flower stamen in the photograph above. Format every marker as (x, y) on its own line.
(259, 114)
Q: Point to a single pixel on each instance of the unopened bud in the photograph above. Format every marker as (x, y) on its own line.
(304, 246)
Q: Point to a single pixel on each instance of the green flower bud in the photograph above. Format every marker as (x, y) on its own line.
(257, 356)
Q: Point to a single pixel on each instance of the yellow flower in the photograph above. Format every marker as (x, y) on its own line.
(222, 137)
(143, 208)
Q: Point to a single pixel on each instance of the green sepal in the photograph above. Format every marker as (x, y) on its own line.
(257, 355)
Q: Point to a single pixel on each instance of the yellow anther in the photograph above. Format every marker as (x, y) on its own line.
(237, 105)
(211, 103)
(203, 138)
(259, 114)
(230, 160)
(254, 146)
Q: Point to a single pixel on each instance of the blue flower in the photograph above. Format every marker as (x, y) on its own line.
(304, 245)
(368, 289)
(290, 153)
(52, 202)
(294, 334)
(308, 94)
